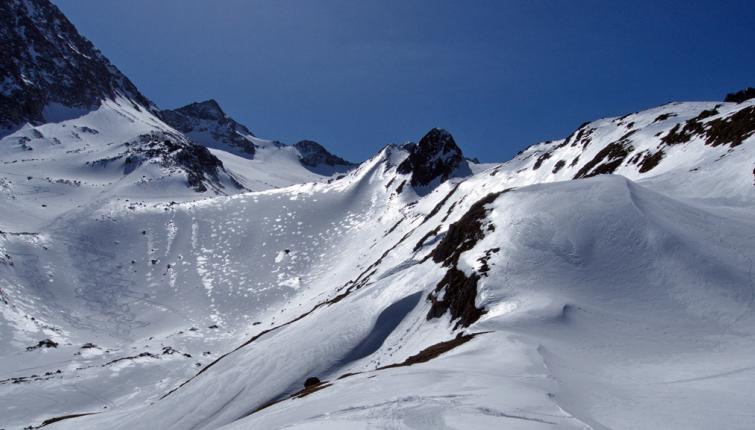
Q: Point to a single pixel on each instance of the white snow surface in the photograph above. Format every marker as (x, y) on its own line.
(619, 301)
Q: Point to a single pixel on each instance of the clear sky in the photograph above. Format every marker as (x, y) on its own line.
(358, 74)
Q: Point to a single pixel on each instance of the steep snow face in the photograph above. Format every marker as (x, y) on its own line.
(46, 65)
(184, 283)
(595, 303)
(605, 307)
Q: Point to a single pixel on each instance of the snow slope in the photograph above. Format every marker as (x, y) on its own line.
(711, 160)
(114, 151)
(603, 281)
(608, 303)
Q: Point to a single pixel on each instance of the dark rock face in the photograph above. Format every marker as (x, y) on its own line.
(208, 117)
(174, 152)
(436, 156)
(731, 130)
(649, 161)
(434, 351)
(607, 160)
(200, 167)
(208, 109)
(458, 300)
(313, 154)
(558, 166)
(464, 234)
(312, 381)
(664, 117)
(582, 136)
(740, 96)
(456, 292)
(46, 343)
(45, 60)
(684, 132)
(540, 160)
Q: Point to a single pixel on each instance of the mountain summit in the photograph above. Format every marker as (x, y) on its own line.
(208, 109)
(435, 157)
(206, 123)
(65, 110)
(312, 154)
(47, 66)
(741, 96)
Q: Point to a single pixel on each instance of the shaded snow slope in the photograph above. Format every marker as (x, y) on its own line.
(605, 305)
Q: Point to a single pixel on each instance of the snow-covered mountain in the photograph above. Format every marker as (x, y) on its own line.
(67, 112)
(207, 124)
(74, 127)
(602, 281)
(258, 163)
(694, 149)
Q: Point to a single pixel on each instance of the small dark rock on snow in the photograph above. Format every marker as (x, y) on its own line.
(311, 382)
(46, 343)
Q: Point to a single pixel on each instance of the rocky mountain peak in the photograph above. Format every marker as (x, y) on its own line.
(436, 156)
(46, 62)
(313, 154)
(208, 109)
(741, 95)
(206, 123)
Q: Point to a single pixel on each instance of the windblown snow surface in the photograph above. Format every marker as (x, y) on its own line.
(513, 297)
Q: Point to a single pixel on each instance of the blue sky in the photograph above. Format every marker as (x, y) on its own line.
(356, 75)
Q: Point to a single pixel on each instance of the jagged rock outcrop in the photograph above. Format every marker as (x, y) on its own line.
(206, 123)
(730, 130)
(741, 95)
(50, 73)
(312, 154)
(174, 152)
(436, 156)
(45, 62)
(456, 293)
